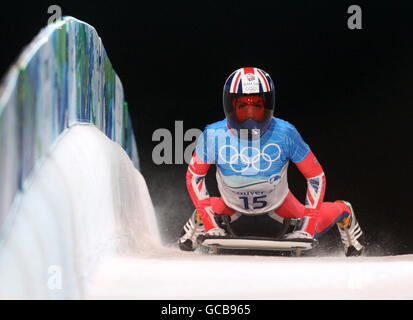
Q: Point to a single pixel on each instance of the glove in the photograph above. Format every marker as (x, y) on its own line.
(297, 235)
(216, 232)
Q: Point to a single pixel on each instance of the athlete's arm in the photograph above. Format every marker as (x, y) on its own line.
(316, 185)
(195, 182)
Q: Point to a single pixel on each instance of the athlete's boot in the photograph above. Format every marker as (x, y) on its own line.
(192, 229)
(351, 234)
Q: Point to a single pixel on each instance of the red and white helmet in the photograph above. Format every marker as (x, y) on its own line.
(249, 99)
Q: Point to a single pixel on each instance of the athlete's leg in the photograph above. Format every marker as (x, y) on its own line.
(290, 208)
(220, 207)
(329, 214)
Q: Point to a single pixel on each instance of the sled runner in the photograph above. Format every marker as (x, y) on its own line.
(257, 243)
(237, 242)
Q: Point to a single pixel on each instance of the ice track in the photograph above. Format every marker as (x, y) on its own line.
(175, 275)
(87, 211)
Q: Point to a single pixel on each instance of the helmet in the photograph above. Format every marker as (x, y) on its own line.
(249, 100)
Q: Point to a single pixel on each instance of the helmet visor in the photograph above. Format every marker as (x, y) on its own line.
(240, 108)
(248, 107)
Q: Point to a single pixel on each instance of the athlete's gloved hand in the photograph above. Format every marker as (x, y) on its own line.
(298, 235)
(216, 232)
(307, 227)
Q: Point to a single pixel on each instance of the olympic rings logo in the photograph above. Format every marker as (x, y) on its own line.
(250, 161)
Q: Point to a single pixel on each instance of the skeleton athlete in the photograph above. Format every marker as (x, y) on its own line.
(251, 150)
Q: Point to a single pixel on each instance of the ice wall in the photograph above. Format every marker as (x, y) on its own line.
(62, 77)
(85, 203)
(68, 194)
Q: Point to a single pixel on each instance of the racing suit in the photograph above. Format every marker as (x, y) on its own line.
(252, 177)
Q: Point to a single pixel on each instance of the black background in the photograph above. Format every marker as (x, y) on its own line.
(348, 92)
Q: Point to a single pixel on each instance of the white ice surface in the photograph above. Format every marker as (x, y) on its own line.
(86, 201)
(176, 275)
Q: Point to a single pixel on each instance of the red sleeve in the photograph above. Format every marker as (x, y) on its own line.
(316, 185)
(195, 182)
